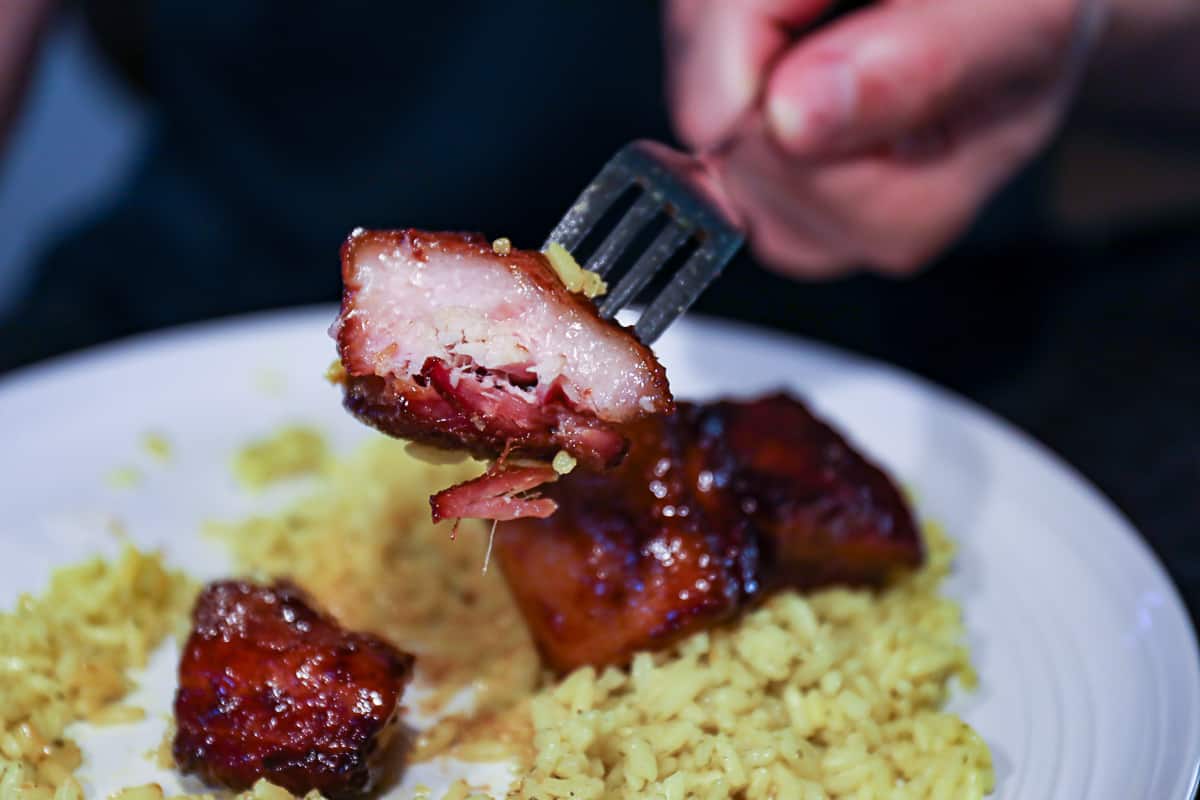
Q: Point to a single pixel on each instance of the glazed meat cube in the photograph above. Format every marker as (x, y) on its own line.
(715, 506)
(629, 562)
(823, 513)
(271, 688)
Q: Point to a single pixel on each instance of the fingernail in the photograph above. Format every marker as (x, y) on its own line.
(808, 114)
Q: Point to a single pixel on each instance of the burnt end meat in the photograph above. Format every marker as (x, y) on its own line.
(823, 512)
(271, 688)
(715, 506)
(628, 562)
(446, 342)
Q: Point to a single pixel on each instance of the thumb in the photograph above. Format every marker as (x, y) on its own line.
(896, 70)
(717, 56)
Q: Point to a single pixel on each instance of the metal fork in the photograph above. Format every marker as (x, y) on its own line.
(666, 187)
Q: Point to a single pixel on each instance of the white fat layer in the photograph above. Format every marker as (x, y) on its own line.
(465, 305)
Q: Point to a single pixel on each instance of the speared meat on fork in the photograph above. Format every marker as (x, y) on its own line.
(492, 350)
(450, 341)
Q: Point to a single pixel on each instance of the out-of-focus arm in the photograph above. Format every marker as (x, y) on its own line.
(21, 25)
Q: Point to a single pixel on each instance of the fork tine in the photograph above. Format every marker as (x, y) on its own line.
(669, 239)
(643, 210)
(673, 185)
(685, 286)
(590, 206)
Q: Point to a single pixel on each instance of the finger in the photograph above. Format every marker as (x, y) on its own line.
(787, 227)
(895, 69)
(885, 210)
(792, 14)
(717, 58)
(902, 213)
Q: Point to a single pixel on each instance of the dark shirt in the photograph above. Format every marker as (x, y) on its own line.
(281, 126)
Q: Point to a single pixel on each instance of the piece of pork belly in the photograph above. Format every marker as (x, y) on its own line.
(630, 561)
(449, 342)
(715, 506)
(824, 513)
(271, 688)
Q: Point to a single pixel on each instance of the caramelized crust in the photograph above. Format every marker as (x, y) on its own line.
(714, 506)
(824, 513)
(629, 561)
(271, 688)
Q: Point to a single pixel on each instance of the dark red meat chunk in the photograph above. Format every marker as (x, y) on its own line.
(271, 688)
(714, 507)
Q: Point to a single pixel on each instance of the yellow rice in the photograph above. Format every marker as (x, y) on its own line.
(64, 657)
(831, 695)
(363, 545)
(834, 694)
(263, 790)
(291, 452)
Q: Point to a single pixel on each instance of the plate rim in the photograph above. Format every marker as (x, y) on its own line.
(28, 377)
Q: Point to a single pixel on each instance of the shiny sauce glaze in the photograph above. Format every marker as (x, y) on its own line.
(714, 507)
(269, 687)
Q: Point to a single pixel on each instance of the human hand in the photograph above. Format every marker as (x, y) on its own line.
(872, 141)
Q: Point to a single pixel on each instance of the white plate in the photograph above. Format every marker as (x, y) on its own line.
(1089, 680)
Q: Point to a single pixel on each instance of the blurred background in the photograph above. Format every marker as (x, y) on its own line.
(167, 164)
(75, 140)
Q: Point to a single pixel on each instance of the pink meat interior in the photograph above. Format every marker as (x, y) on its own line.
(477, 310)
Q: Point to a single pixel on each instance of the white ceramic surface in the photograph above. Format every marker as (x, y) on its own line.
(1089, 680)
